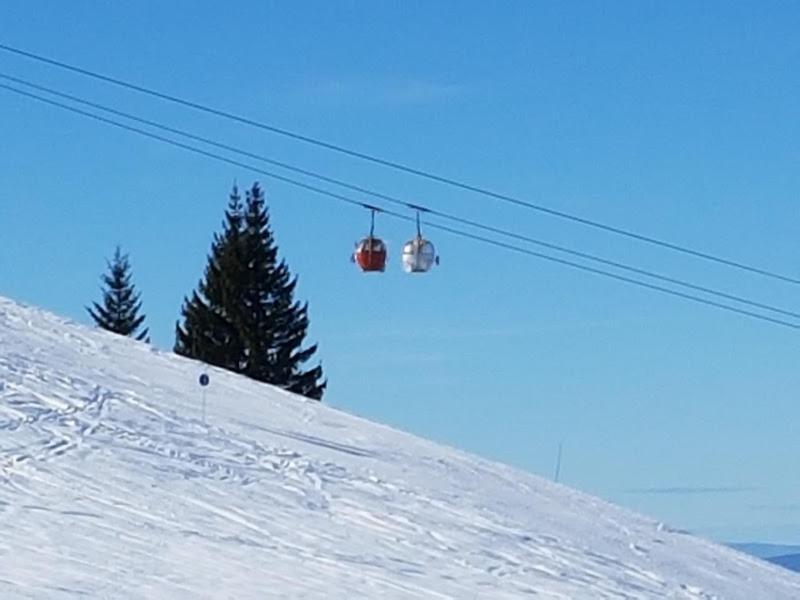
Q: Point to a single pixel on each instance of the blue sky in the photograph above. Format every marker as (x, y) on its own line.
(678, 120)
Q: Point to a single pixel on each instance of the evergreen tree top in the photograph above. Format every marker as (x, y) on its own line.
(121, 304)
(243, 316)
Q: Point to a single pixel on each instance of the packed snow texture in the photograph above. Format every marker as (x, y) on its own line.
(111, 486)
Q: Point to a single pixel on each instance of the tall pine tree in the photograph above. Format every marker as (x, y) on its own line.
(209, 332)
(119, 311)
(243, 316)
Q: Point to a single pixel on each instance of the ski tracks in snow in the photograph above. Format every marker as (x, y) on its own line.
(46, 417)
(111, 486)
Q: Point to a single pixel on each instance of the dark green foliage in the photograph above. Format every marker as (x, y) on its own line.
(209, 332)
(119, 311)
(243, 316)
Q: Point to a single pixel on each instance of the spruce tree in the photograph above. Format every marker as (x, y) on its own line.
(119, 311)
(209, 332)
(243, 316)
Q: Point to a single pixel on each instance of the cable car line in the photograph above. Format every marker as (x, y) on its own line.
(410, 205)
(404, 168)
(400, 216)
(630, 280)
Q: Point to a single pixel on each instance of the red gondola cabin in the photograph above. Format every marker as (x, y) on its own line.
(370, 254)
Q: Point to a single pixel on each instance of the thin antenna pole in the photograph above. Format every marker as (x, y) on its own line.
(558, 462)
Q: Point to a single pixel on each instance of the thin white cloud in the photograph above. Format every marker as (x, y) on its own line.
(476, 332)
(776, 507)
(375, 92)
(687, 489)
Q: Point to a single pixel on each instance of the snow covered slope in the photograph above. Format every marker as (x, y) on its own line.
(111, 486)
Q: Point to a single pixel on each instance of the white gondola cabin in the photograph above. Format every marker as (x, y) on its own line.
(419, 256)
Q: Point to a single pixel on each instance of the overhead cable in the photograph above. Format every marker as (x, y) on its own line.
(404, 203)
(629, 233)
(404, 217)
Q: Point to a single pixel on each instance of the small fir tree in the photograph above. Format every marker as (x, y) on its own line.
(243, 316)
(119, 311)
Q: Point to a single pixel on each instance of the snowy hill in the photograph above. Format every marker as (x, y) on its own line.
(111, 486)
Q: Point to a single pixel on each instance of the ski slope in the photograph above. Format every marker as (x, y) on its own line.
(111, 486)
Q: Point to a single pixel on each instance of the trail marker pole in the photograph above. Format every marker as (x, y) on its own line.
(558, 462)
(204, 381)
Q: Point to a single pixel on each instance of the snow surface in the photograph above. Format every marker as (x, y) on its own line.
(111, 486)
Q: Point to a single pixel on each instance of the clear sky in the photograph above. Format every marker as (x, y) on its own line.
(679, 120)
